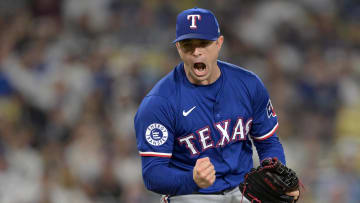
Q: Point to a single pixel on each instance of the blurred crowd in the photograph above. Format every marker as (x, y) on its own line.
(73, 72)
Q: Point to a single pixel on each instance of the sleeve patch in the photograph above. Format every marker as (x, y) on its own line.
(270, 110)
(156, 134)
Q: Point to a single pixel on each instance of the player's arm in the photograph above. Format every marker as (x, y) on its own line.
(265, 124)
(263, 130)
(154, 123)
(270, 147)
(160, 178)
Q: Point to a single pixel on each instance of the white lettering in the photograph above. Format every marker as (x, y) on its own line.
(223, 129)
(238, 133)
(193, 20)
(188, 144)
(248, 126)
(205, 138)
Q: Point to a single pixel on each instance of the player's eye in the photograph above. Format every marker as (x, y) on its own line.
(189, 46)
(205, 43)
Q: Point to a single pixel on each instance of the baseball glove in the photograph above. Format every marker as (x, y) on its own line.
(269, 182)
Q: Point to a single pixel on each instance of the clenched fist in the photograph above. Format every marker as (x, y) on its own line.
(204, 173)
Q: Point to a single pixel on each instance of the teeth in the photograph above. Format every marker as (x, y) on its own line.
(200, 66)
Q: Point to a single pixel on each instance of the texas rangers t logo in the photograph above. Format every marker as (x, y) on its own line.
(193, 20)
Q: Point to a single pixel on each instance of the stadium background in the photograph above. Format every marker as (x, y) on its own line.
(72, 73)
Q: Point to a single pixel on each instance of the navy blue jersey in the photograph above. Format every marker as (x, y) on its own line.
(179, 122)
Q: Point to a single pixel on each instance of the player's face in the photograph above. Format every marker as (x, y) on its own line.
(200, 59)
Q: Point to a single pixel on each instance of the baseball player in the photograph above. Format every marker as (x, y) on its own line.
(194, 127)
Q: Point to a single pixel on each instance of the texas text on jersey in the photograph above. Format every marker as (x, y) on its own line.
(179, 122)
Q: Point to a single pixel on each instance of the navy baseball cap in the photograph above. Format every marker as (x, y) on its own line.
(197, 23)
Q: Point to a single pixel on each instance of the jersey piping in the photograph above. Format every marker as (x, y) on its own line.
(267, 135)
(157, 154)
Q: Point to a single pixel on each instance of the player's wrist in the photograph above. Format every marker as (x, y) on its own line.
(192, 184)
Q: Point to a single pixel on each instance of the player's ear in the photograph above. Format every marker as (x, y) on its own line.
(177, 44)
(179, 50)
(220, 41)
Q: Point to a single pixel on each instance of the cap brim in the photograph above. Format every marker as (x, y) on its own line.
(196, 36)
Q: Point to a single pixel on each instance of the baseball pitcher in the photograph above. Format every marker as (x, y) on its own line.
(194, 128)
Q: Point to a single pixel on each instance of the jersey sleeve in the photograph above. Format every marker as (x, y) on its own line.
(154, 123)
(154, 126)
(265, 120)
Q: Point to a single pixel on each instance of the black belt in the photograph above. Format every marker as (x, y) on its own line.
(222, 192)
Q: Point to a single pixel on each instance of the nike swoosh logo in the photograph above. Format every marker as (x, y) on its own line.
(186, 113)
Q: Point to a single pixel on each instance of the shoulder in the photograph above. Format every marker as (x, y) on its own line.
(237, 74)
(166, 86)
(153, 107)
(161, 99)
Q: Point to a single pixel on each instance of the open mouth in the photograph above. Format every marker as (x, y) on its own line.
(200, 69)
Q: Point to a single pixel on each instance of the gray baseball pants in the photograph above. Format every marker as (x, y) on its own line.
(233, 196)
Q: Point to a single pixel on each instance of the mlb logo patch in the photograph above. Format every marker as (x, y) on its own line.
(270, 110)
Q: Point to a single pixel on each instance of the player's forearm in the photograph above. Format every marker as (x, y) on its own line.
(270, 147)
(160, 178)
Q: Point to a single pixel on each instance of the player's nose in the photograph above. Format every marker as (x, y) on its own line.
(197, 51)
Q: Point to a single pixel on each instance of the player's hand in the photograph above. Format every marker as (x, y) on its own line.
(204, 173)
(295, 194)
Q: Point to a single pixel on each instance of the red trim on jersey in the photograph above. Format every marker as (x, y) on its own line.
(269, 134)
(157, 154)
